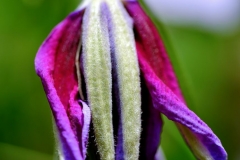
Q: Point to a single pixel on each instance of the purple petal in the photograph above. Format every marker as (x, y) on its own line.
(80, 120)
(55, 65)
(199, 136)
(159, 155)
(166, 95)
(151, 126)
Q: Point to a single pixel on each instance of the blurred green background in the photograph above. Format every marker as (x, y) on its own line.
(207, 65)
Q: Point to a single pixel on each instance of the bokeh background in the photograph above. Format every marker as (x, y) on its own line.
(206, 59)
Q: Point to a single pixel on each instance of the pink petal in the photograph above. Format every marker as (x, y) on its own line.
(165, 92)
(55, 65)
(203, 142)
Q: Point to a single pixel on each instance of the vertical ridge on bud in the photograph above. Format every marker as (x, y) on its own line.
(97, 73)
(128, 77)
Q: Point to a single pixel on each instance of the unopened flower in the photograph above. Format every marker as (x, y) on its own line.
(106, 62)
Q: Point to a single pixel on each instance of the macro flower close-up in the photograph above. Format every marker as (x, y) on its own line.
(109, 80)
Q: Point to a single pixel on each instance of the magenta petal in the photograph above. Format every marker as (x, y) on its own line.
(154, 50)
(165, 92)
(80, 120)
(170, 105)
(55, 65)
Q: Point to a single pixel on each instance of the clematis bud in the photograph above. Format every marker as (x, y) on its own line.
(105, 64)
